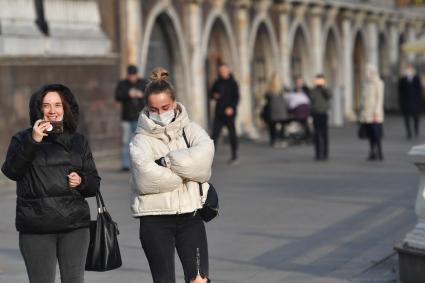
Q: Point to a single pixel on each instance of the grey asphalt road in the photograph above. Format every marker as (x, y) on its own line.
(284, 217)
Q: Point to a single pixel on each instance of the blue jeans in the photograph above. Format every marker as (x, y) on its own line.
(128, 129)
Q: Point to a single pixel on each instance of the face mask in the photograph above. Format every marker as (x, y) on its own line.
(162, 119)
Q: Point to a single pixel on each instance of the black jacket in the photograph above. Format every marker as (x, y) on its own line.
(229, 95)
(410, 95)
(131, 107)
(45, 203)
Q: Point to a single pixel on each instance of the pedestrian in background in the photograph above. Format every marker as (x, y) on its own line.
(225, 92)
(300, 86)
(54, 172)
(164, 182)
(410, 99)
(372, 112)
(276, 109)
(129, 92)
(299, 106)
(320, 98)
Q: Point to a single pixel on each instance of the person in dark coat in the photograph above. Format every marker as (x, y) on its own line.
(225, 92)
(130, 93)
(320, 98)
(410, 99)
(54, 171)
(303, 112)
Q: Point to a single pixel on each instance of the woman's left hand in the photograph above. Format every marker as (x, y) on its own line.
(74, 180)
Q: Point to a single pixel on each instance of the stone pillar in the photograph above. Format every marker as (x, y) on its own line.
(316, 39)
(372, 41)
(347, 50)
(412, 252)
(197, 68)
(245, 119)
(133, 31)
(284, 10)
(411, 36)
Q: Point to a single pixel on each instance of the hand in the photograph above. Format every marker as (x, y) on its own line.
(229, 111)
(375, 118)
(133, 93)
(74, 180)
(139, 94)
(38, 131)
(216, 95)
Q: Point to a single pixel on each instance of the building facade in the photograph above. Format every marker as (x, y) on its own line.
(89, 43)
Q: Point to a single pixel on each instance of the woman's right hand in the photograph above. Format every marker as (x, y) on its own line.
(38, 131)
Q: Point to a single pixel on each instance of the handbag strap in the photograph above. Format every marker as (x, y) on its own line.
(188, 146)
(101, 208)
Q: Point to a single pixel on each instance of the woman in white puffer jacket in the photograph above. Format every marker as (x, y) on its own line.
(164, 184)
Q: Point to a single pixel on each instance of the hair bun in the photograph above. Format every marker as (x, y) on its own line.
(159, 74)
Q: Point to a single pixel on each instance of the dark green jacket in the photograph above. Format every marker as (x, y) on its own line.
(320, 98)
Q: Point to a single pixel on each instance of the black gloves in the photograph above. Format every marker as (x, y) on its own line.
(161, 162)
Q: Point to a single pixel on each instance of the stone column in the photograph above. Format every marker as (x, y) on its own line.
(133, 31)
(372, 40)
(197, 69)
(284, 10)
(316, 39)
(348, 65)
(245, 119)
(411, 36)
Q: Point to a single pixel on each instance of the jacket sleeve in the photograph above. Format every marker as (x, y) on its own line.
(213, 90)
(19, 156)
(235, 98)
(121, 92)
(379, 97)
(90, 178)
(147, 176)
(194, 163)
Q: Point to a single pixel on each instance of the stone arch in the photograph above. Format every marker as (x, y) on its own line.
(217, 16)
(163, 28)
(299, 40)
(218, 46)
(263, 54)
(359, 59)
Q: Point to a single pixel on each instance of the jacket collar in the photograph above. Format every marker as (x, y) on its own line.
(166, 133)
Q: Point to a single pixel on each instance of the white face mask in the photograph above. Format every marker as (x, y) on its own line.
(162, 119)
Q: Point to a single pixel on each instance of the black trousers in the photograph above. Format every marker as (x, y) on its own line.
(273, 134)
(229, 122)
(375, 134)
(411, 116)
(42, 251)
(321, 136)
(162, 235)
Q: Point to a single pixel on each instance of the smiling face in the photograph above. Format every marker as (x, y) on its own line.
(52, 107)
(161, 102)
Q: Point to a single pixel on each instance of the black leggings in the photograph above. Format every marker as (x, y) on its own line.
(161, 235)
(42, 251)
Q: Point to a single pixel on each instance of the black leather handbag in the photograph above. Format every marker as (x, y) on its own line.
(104, 252)
(210, 207)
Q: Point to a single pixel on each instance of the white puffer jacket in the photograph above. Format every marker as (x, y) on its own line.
(158, 190)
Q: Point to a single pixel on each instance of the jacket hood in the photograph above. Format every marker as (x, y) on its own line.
(148, 127)
(37, 98)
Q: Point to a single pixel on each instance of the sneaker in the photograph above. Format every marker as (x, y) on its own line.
(125, 169)
(233, 162)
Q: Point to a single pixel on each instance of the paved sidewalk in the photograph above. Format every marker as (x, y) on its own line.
(284, 217)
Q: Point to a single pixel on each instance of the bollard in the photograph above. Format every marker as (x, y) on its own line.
(412, 252)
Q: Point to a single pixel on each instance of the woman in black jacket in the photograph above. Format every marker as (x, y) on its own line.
(54, 171)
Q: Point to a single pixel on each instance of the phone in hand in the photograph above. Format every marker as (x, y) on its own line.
(56, 127)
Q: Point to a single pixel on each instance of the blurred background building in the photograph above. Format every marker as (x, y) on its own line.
(86, 44)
